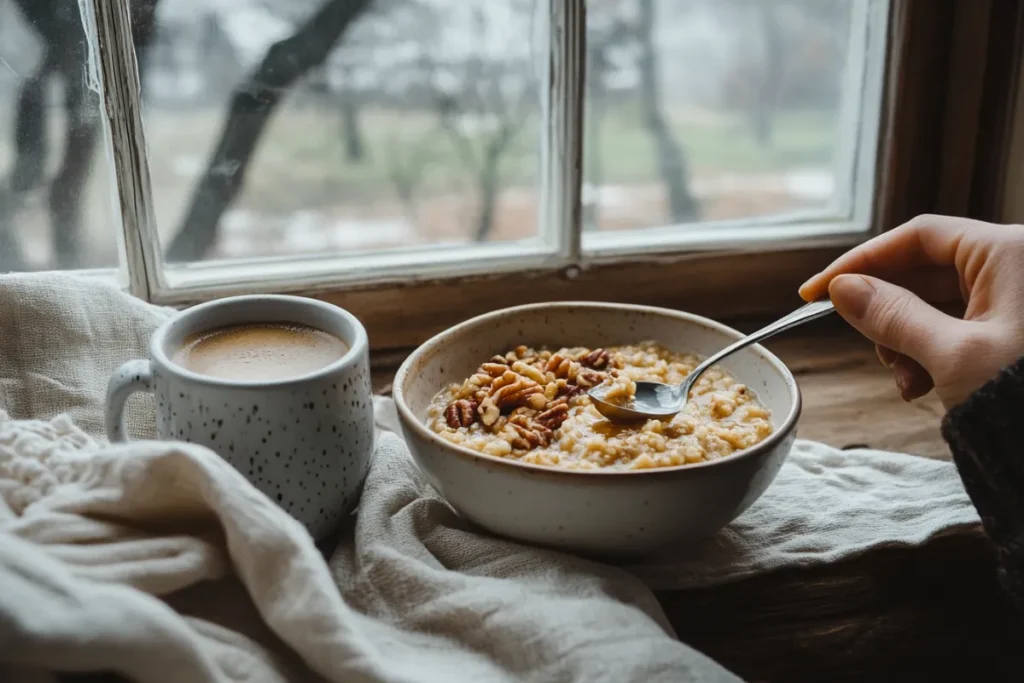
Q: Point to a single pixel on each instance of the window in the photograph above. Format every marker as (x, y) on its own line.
(56, 208)
(735, 122)
(399, 156)
(354, 129)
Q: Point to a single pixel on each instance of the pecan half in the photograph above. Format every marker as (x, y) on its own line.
(596, 359)
(559, 366)
(554, 416)
(562, 368)
(537, 400)
(493, 369)
(518, 393)
(506, 379)
(531, 434)
(551, 390)
(589, 378)
(473, 385)
(561, 400)
(528, 371)
(460, 413)
(481, 379)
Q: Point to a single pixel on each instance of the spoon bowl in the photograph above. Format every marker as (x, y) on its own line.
(653, 400)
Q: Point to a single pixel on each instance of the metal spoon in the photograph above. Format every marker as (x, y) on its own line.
(654, 400)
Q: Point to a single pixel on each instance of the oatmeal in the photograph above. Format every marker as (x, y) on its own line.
(531, 405)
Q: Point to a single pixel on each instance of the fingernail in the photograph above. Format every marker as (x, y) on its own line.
(803, 288)
(904, 380)
(886, 356)
(852, 295)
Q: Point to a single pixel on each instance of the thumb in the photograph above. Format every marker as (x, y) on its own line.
(891, 316)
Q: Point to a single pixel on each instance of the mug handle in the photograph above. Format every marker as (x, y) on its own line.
(131, 377)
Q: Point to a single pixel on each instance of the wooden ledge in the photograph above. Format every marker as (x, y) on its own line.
(933, 613)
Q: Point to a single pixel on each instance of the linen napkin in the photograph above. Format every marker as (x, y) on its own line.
(826, 505)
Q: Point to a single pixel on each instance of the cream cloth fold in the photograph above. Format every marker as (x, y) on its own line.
(159, 561)
(826, 505)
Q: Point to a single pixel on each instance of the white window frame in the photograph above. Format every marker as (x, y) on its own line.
(559, 245)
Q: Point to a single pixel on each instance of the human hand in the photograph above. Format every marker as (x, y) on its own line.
(922, 346)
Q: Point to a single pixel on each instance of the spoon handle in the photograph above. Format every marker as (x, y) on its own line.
(806, 313)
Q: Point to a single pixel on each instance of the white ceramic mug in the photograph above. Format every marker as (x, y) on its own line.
(306, 441)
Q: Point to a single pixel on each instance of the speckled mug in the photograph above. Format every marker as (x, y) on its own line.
(305, 441)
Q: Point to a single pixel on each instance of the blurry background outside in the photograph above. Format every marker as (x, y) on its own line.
(319, 126)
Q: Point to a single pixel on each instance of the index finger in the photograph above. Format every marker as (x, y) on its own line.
(923, 241)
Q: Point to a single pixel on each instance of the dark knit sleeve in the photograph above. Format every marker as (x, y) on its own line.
(986, 437)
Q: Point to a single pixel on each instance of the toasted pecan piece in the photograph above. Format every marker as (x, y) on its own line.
(531, 434)
(554, 416)
(461, 413)
(518, 393)
(559, 366)
(596, 359)
(589, 378)
(492, 369)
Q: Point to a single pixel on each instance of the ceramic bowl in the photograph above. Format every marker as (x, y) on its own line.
(621, 514)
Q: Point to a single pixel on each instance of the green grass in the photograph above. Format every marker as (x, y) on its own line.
(724, 145)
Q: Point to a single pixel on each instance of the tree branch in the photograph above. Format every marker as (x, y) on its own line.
(671, 160)
(252, 105)
(407, 174)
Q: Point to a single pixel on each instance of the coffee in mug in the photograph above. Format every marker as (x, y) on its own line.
(266, 351)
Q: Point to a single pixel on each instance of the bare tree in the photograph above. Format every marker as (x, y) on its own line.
(58, 24)
(410, 153)
(631, 24)
(482, 151)
(407, 163)
(768, 89)
(252, 106)
(603, 37)
(672, 164)
(351, 126)
(596, 95)
(482, 104)
(783, 70)
(373, 38)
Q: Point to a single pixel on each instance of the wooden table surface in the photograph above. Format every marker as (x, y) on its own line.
(931, 613)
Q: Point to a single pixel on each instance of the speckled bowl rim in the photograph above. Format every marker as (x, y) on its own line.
(410, 421)
(359, 347)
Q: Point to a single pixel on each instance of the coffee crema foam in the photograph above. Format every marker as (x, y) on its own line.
(259, 351)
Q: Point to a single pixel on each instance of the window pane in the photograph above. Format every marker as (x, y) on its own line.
(330, 127)
(717, 109)
(57, 194)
